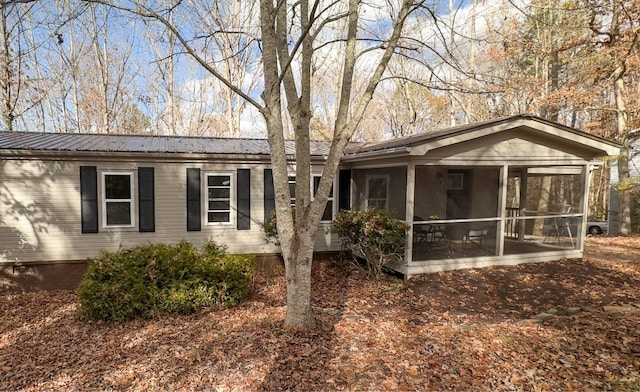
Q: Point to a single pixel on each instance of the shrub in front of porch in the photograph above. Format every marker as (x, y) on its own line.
(154, 279)
(373, 237)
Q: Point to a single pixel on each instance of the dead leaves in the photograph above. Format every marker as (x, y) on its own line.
(458, 330)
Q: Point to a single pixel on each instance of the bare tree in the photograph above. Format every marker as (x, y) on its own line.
(289, 38)
(237, 64)
(616, 29)
(13, 78)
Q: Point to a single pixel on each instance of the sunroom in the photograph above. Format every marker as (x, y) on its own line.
(506, 191)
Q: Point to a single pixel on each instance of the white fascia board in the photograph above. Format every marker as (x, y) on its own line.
(607, 148)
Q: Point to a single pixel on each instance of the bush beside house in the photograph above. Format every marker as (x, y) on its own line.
(373, 236)
(150, 280)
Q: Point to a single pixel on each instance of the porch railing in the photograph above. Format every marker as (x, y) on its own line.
(512, 225)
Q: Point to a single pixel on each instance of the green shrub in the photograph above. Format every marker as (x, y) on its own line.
(372, 234)
(270, 229)
(154, 279)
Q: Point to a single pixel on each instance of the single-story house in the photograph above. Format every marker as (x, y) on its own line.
(505, 191)
(614, 194)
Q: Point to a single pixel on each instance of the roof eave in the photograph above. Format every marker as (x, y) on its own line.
(375, 154)
(110, 155)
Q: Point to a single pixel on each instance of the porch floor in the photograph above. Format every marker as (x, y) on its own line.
(453, 249)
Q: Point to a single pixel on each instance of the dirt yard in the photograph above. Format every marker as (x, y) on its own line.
(564, 325)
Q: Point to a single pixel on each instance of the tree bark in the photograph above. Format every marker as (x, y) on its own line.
(6, 72)
(623, 158)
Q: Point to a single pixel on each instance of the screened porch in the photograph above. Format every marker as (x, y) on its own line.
(463, 212)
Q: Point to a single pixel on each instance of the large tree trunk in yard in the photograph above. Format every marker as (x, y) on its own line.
(298, 277)
(623, 158)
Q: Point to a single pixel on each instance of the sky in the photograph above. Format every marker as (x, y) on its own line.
(126, 37)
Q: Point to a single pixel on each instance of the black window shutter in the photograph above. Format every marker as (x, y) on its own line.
(146, 201)
(269, 194)
(344, 183)
(89, 198)
(243, 199)
(194, 217)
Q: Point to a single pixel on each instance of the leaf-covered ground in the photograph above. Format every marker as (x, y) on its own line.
(459, 330)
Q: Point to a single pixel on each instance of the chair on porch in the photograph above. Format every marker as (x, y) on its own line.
(428, 235)
(476, 238)
(560, 228)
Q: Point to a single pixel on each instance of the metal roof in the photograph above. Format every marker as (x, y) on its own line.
(74, 142)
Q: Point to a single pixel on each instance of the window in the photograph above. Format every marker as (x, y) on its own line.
(117, 192)
(377, 191)
(218, 198)
(327, 215)
(292, 190)
(328, 211)
(455, 180)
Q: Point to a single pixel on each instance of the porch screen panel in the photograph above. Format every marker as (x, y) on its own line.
(369, 189)
(545, 206)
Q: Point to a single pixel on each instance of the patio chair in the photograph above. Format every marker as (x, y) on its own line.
(560, 227)
(476, 238)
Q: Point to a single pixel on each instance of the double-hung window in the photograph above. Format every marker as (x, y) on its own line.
(327, 215)
(377, 191)
(218, 198)
(117, 200)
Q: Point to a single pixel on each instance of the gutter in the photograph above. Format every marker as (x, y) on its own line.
(370, 155)
(139, 156)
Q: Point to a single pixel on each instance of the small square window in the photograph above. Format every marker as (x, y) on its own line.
(455, 181)
(377, 192)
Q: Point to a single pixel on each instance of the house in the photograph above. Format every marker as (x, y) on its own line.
(505, 191)
(614, 200)
(500, 192)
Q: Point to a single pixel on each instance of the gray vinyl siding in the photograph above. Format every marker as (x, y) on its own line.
(634, 163)
(40, 217)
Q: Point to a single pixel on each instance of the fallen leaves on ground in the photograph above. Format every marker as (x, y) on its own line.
(457, 330)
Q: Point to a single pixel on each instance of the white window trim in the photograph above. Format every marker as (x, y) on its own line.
(232, 202)
(331, 198)
(375, 176)
(131, 200)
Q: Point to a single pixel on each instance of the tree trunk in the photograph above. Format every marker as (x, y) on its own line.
(298, 277)
(623, 158)
(5, 72)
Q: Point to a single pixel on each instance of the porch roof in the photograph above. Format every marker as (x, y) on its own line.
(420, 144)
